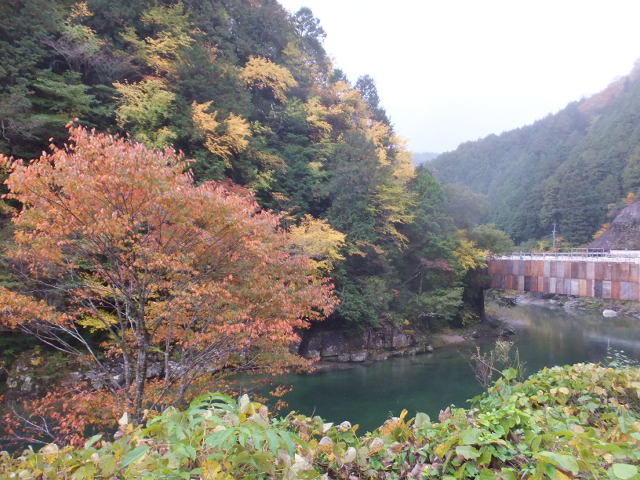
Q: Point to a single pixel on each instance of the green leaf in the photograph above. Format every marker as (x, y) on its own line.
(107, 465)
(274, 441)
(485, 457)
(566, 462)
(220, 439)
(470, 436)
(467, 452)
(624, 471)
(134, 455)
(186, 451)
(86, 472)
(508, 474)
(535, 443)
(216, 400)
(486, 474)
(288, 439)
(92, 441)
(258, 440)
(421, 420)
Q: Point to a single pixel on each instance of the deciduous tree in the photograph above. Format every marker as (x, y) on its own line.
(116, 238)
(261, 73)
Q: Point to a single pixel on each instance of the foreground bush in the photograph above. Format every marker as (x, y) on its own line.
(578, 421)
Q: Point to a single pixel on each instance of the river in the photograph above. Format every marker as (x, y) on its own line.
(546, 335)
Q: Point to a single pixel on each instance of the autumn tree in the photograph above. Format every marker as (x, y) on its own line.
(116, 239)
(144, 109)
(170, 35)
(246, 90)
(316, 239)
(262, 74)
(223, 139)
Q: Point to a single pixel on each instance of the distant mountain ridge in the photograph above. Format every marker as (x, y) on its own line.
(423, 157)
(566, 168)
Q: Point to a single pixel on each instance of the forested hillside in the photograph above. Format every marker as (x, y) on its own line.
(568, 168)
(189, 185)
(247, 91)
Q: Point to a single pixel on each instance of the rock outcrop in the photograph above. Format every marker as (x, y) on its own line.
(624, 232)
(336, 345)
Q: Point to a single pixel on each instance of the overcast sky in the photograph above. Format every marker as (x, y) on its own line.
(449, 71)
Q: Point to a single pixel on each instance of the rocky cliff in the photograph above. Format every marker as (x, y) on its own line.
(373, 344)
(624, 232)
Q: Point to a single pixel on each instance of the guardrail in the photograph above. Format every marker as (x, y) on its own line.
(576, 254)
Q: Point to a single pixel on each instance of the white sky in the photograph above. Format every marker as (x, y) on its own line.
(449, 71)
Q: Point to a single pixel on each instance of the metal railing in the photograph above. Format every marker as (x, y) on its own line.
(575, 254)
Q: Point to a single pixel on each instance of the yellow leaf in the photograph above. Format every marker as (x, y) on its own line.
(441, 450)
(210, 470)
(319, 241)
(558, 475)
(261, 73)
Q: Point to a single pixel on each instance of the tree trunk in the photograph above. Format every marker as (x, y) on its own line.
(141, 374)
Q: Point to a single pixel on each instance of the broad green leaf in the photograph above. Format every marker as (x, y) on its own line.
(220, 439)
(134, 455)
(258, 439)
(566, 462)
(288, 439)
(486, 474)
(467, 452)
(274, 441)
(470, 436)
(485, 456)
(421, 420)
(92, 441)
(86, 472)
(187, 451)
(508, 474)
(108, 465)
(624, 471)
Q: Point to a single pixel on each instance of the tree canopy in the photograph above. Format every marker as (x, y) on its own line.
(246, 90)
(132, 248)
(213, 258)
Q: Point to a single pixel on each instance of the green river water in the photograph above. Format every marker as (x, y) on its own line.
(546, 335)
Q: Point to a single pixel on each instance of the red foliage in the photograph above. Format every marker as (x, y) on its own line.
(64, 415)
(196, 275)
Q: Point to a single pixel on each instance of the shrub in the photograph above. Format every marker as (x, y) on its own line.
(580, 421)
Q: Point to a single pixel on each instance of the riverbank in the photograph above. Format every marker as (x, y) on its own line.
(335, 349)
(620, 307)
(546, 335)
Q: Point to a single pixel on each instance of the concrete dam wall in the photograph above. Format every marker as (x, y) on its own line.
(603, 277)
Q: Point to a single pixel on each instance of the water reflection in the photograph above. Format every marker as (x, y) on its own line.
(553, 336)
(545, 336)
